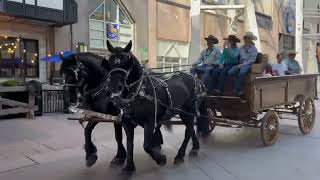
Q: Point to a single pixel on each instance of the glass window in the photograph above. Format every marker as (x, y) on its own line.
(108, 22)
(19, 57)
(98, 13)
(172, 54)
(111, 11)
(122, 18)
(53, 4)
(31, 2)
(20, 1)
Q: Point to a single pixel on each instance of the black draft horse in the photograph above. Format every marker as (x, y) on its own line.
(147, 101)
(84, 73)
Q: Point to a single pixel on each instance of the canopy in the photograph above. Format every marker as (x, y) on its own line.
(56, 58)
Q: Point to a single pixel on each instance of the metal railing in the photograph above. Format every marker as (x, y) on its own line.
(53, 99)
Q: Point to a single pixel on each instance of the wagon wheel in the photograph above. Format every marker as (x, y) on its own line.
(306, 115)
(269, 128)
(211, 114)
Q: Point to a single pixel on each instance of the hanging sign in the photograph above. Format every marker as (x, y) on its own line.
(112, 31)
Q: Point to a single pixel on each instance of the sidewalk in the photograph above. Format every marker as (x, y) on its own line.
(51, 147)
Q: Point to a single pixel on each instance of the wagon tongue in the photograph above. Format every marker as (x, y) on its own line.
(92, 114)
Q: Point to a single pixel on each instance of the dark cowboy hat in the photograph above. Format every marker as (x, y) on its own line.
(212, 39)
(232, 38)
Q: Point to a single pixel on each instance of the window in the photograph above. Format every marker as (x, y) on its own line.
(53, 4)
(172, 54)
(286, 42)
(31, 2)
(263, 7)
(19, 57)
(109, 22)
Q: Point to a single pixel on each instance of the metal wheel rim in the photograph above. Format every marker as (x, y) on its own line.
(211, 115)
(270, 128)
(307, 115)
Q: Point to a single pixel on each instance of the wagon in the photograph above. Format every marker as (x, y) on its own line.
(267, 99)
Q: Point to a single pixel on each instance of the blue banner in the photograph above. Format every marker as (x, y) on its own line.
(113, 31)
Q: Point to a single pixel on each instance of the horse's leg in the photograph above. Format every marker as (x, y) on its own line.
(157, 138)
(130, 167)
(121, 156)
(182, 151)
(153, 151)
(90, 148)
(195, 142)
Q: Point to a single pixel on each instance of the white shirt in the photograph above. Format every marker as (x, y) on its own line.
(279, 68)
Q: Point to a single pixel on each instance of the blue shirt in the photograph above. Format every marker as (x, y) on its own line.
(248, 54)
(292, 66)
(230, 56)
(209, 57)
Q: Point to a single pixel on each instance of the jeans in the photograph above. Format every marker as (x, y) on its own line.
(209, 75)
(206, 72)
(198, 70)
(223, 75)
(214, 78)
(240, 75)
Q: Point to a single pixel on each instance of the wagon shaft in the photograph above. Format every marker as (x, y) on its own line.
(95, 116)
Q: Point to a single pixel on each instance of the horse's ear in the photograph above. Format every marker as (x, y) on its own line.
(127, 49)
(105, 63)
(110, 47)
(71, 58)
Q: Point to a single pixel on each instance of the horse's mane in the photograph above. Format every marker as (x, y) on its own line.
(137, 69)
(92, 61)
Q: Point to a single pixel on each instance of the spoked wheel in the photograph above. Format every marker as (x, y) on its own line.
(269, 128)
(306, 115)
(211, 114)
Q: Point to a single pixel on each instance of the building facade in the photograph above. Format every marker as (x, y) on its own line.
(27, 31)
(160, 29)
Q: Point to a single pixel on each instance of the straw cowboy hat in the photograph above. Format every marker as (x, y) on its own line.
(250, 35)
(212, 39)
(292, 52)
(232, 38)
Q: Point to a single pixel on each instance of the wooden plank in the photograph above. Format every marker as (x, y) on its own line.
(17, 110)
(13, 89)
(12, 102)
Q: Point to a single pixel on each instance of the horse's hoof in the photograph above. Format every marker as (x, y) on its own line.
(117, 162)
(178, 161)
(129, 169)
(193, 153)
(162, 161)
(91, 159)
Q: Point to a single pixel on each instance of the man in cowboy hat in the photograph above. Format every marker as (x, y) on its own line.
(292, 66)
(229, 58)
(248, 55)
(208, 60)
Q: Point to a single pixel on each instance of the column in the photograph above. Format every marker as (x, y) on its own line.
(195, 31)
(299, 32)
(152, 31)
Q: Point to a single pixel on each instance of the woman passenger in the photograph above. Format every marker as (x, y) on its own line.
(229, 59)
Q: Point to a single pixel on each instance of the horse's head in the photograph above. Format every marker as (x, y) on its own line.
(120, 65)
(81, 72)
(69, 70)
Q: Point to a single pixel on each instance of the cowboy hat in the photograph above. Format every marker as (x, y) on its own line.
(250, 35)
(212, 39)
(232, 38)
(292, 52)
